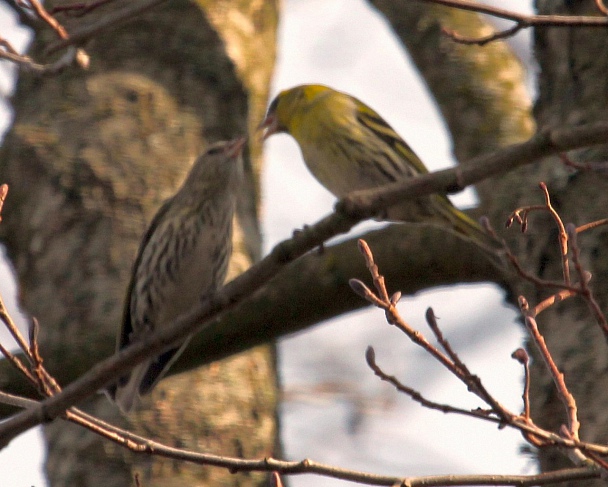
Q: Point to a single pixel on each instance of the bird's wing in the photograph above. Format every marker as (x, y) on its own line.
(157, 369)
(127, 325)
(374, 122)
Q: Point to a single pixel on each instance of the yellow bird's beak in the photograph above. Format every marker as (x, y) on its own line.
(269, 126)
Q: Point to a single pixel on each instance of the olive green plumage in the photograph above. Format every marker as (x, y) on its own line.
(182, 259)
(347, 146)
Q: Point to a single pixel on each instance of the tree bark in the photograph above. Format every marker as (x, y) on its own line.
(89, 158)
(572, 87)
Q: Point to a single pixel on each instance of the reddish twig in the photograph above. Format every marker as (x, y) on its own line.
(110, 20)
(79, 9)
(563, 237)
(482, 41)
(522, 21)
(523, 358)
(79, 55)
(591, 225)
(370, 358)
(553, 299)
(431, 319)
(393, 317)
(521, 216)
(601, 7)
(558, 377)
(601, 167)
(584, 278)
(3, 194)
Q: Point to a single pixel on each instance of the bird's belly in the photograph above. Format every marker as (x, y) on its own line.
(192, 281)
(337, 173)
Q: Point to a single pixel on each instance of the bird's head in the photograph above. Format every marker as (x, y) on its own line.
(288, 107)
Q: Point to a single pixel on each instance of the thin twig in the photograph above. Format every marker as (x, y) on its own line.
(485, 415)
(522, 21)
(585, 277)
(521, 355)
(456, 367)
(598, 166)
(591, 225)
(601, 7)
(27, 63)
(558, 377)
(80, 56)
(563, 236)
(431, 319)
(553, 299)
(109, 20)
(79, 9)
(483, 40)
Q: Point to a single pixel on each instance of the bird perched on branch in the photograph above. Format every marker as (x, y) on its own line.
(347, 146)
(182, 259)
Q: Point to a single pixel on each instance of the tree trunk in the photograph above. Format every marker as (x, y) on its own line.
(572, 83)
(89, 158)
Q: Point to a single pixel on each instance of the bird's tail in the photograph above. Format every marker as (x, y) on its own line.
(126, 393)
(466, 226)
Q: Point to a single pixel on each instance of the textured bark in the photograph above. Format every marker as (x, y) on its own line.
(480, 93)
(573, 89)
(89, 158)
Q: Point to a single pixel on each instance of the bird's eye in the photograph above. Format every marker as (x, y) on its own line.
(215, 150)
(273, 106)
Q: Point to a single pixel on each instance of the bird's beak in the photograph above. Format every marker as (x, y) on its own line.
(236, 146)
(269, 126)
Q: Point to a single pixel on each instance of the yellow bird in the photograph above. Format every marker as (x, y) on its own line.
(347, 146)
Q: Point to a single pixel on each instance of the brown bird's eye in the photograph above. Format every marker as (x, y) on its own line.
(215, 150)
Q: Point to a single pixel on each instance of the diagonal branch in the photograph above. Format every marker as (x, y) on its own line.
(349, 212)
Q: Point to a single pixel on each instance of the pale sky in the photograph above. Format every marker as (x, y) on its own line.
(357, 421)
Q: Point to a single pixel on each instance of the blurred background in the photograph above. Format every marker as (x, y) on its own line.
(334, 410)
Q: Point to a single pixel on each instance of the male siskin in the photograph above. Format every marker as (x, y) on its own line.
(347, 146)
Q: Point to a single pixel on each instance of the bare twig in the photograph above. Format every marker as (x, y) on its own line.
(553, 299)
(558, 377)
(26, 62)
(431, 319)
(482, 41)
(592, 225)
(368, 203)
(522, 21)
(109, 20)
(456, 367)
(3, 193)
(145, 446)
(80, 56)
(569, 436)
(601, 7)
(521, 216)
(370, 358)
(523, 358)
(79, 9)
(600, 167)
(563, 237)
(585, 277)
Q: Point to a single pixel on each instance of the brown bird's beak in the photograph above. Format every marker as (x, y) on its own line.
(236, 146)
(269, 126)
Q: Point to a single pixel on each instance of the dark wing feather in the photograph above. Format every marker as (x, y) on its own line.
(374, 122)
(126, 330)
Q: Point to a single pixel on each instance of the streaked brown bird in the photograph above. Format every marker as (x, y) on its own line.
(182, 259)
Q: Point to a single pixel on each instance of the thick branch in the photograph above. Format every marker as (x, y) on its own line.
(546, 143)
